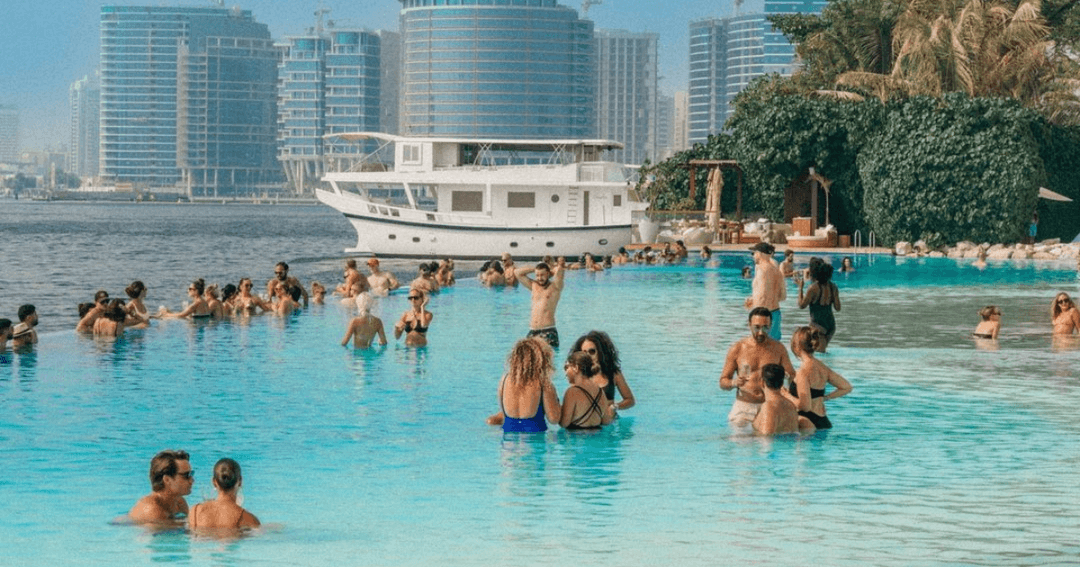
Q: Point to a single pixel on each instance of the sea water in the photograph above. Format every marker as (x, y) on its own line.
(948, 452)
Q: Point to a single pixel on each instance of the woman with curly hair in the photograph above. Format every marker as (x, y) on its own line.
(526, 394)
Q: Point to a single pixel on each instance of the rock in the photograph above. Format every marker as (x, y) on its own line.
(936, 254)
(903, 248)
(1051, 241)
(1043, 256)
(998, 246)
(1021, 254)
(920, 245)
(972, 253)
(1000, 254)
(965, 245)
(956, 253)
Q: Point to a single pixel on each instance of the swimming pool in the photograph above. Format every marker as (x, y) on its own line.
(945, 454)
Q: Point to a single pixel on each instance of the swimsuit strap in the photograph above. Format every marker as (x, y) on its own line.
(593, 406)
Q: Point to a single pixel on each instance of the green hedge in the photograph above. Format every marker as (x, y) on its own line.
(945, 170)
(1059, 148)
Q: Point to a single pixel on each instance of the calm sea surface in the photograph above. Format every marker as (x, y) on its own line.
(948, 452)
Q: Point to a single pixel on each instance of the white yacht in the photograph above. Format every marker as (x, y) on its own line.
(467, 198)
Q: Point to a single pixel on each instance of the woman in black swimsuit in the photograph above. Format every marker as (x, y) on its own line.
(584, 404)
(415, 321)
(808, 387)
(225, 510)
(599, 346)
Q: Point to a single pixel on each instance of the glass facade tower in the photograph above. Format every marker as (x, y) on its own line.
(627, 101)
(84, 97)
(779, 53)
(188, 100)
(9, 134)
(725, 55)
(514, 69)
(329, 82)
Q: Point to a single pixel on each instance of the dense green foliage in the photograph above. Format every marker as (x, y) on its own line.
(1059, 148)
(778, 135)
(669, 180)
(954, 169)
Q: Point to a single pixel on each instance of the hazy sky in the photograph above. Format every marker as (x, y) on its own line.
(45, 45)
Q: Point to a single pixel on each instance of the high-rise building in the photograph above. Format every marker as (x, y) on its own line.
(9, 134)
(390, 82)
(725, 55)
(329, 83)
(497, 69)
(627, 103)
(680, 134)
(84, 97)
(779, 53)
(188, 99)
(665, 128)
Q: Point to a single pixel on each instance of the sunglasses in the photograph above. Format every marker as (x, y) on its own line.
(412, 297)
(590, 351)
(1063, 302)
(186, 475)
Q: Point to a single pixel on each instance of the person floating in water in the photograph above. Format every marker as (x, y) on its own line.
(1065, 317)
(24, 335)
(990, 325)
(526, 394)
(778, 414)
(225, 510)
(746, 358)
(546, 290)
(171, 479)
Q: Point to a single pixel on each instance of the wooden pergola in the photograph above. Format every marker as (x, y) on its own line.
(720, 164)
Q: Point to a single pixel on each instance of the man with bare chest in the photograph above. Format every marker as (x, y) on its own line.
(742, 368)
(546, 290)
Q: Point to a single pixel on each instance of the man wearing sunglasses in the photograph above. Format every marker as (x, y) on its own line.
(171, 478)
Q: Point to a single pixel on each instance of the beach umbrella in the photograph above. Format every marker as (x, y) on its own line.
(1048, 194)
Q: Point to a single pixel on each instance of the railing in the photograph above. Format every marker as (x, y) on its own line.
(857, 241)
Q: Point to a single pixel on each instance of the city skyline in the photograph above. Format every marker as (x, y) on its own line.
(51, 43)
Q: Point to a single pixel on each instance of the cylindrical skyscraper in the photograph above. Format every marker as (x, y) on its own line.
(497, 69)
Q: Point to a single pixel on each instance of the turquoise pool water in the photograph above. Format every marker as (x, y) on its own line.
(945, 454)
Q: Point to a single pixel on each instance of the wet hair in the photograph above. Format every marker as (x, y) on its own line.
(789, 253)
(26, 311)
(199, 285)
(607, 356)
(622, 250)
(746, 271)
(164, 464)
(529, 362)
(759, 311)
(135, 289)
(84, 308)
(706, 250)
(773, 376)
(240, 284)
(424, 268)
(227, 474)
(316, 285)
(543, 266)
(584, 363)
(485, 267)
(350, 263)
(115, 311)
(228, 292)
(821, 272)
(212, 291)
(495, 265)
(282, 265)
(5, 324)
(101, 296)
(805, 339)
(363, 303)
(433, 266)
(988, 311)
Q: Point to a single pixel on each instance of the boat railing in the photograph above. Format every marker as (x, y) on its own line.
(421, 215)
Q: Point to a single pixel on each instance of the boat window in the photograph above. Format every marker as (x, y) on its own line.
(467, 201)
(431, 217)
(395, 213)
(520, 200)
(371, 209)
(410, 153)
(603, 242)
(416, 239)
(393, 237)
(513, 244)
(554, 198)
(616, 200)
(550, 244)
(384, 210)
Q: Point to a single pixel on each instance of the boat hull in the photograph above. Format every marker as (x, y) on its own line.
(395, 237)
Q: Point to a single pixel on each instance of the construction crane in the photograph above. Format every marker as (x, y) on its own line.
(322, 11)
(585, 6)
